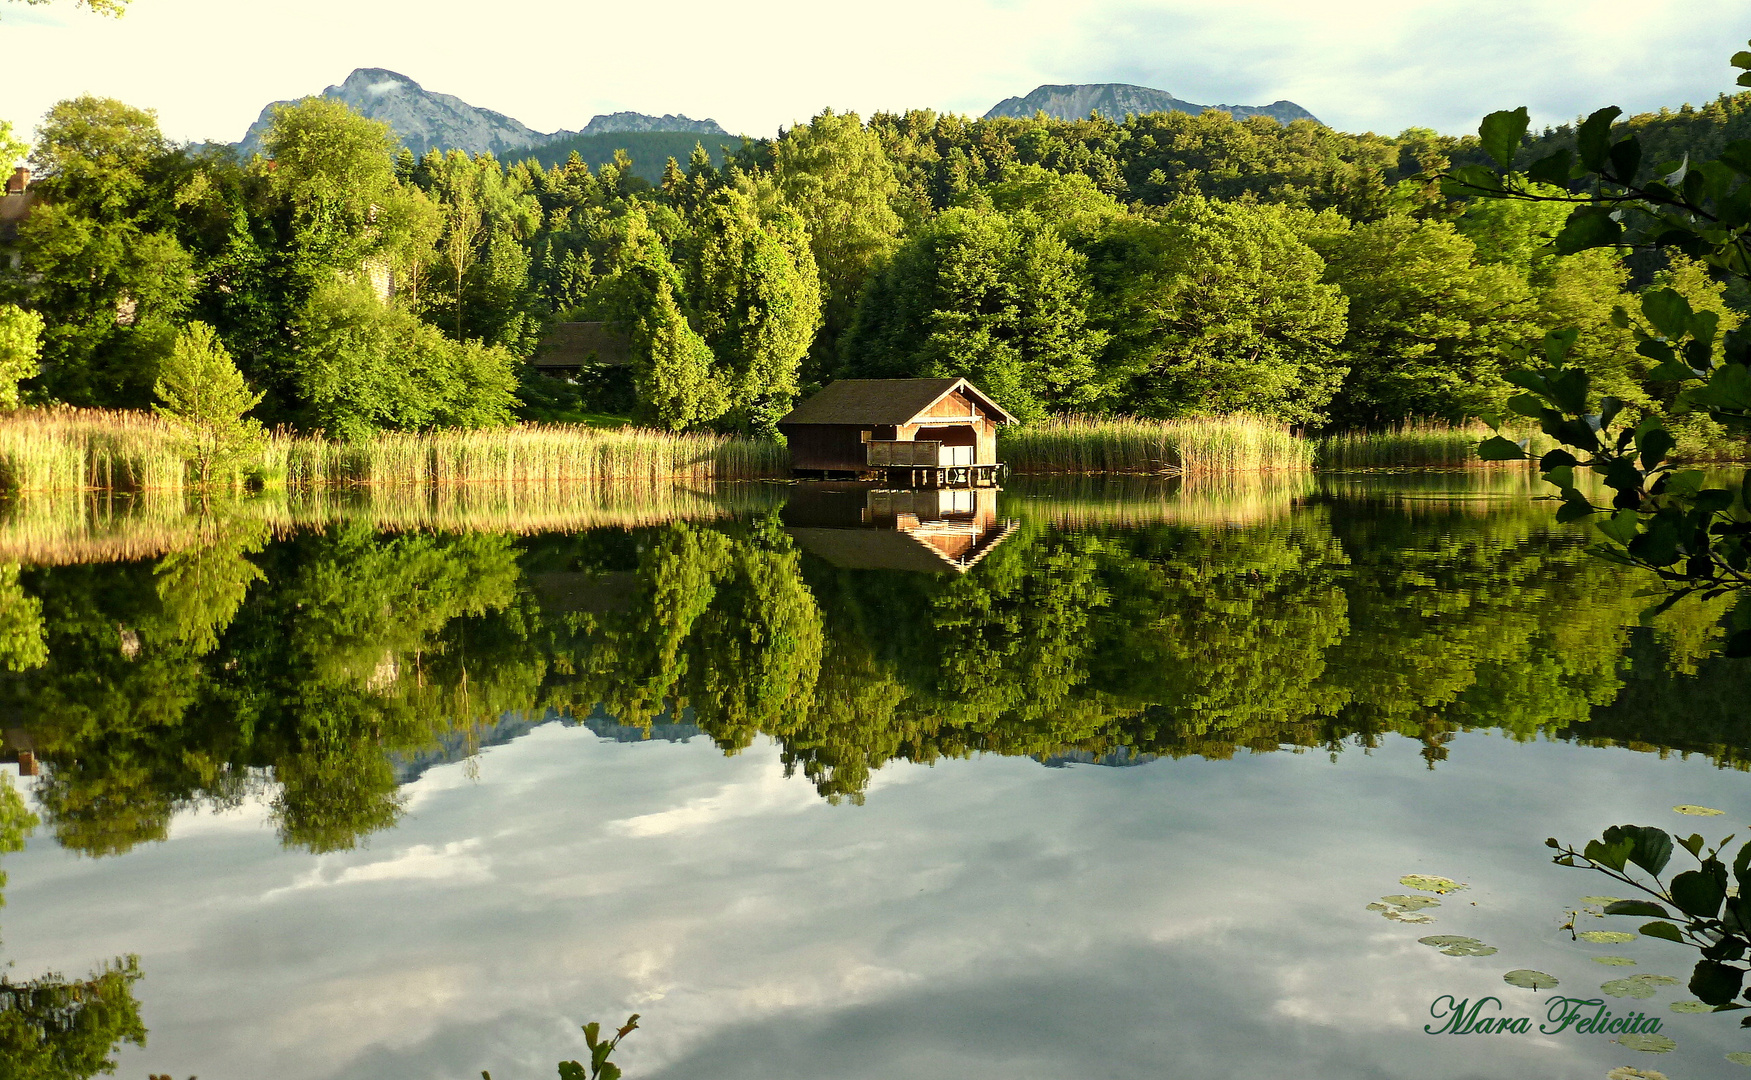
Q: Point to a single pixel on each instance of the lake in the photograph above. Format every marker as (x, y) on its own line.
(1082, 778)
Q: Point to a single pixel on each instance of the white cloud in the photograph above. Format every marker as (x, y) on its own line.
(209, 66)
(452, 862)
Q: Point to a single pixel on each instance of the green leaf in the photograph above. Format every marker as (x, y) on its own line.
(1715, 983)
(1553, 169)
(1626, 160)
(1662, 930)
(1654, 444)
(1650, 848)
(1671, 371)
(1588, 227)
(1728, 388)
(1497, 448)
(1621, 526)
(1636, 907)
(1471, 180)
(1593, 138)
(1605, 937)
(1698, 893)
(1501, 134)
(1668, 311)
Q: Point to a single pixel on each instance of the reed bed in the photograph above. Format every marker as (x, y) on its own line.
(1129, 444)
(84, 449)
(92, 449)
(1419, 444)
(1203, 500)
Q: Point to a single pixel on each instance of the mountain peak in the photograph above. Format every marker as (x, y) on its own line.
(424, 120)
(1074, 101)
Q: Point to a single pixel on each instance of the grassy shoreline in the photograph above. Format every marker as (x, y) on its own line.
(101, 450)
(98, 450)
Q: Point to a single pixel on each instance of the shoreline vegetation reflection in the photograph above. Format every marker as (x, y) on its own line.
(271, 653)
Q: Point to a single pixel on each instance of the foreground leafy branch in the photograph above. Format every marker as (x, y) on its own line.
(1659, 517)
(1700, 908)
(600, 1068)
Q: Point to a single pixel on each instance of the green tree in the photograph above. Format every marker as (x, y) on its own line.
(100, 259)
(20, 344)
(672, 366)
(21, 624)
(835, 174)
(204, 396)
(364, 366)
(998, 298)
(1427, 323)
(752, 291)
(58, 1029)
(1218, 308)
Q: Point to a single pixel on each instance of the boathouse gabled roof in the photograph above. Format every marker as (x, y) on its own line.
(885, 401)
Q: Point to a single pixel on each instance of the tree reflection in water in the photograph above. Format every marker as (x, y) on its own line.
(308, 670)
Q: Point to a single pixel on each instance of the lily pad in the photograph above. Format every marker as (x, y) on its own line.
(1692, 1007)
(1637, 986)
(1599, 901)
(1652, 1042)
(1411, 903)
(1739, 1057)
(1454, 945)
(1529, 979)
(1630, 1072)
(1428, 883)
(1610, 937)
(1410, 917)
(1697, 811)
(1614, 961)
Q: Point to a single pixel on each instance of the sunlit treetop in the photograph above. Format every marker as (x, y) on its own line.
(114, 8)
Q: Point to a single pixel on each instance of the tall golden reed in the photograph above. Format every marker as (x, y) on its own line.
(1418, 444)
(1131, 444)
(92, 449)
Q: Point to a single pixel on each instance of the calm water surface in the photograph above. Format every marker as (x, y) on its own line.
(1082, 779)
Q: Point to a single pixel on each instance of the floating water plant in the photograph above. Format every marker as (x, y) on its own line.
(1614, 961)
(1637, 986)
(1697, 811)
(1454, 945)
(1652, 1043)
(1606, 937)
(1428, 883)
(1529, 979)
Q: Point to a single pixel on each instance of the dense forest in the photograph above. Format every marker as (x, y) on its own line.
(1167, 265)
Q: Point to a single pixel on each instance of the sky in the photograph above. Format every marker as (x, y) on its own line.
(209, 66)
(983, 919)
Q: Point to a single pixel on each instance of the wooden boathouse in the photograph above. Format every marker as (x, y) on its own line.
(912, 432)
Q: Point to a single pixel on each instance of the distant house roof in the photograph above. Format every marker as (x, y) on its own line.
(13, 208)
(884, 401)
(574, 344)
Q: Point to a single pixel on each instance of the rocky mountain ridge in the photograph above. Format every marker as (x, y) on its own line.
(1075, 101)
(425, 120)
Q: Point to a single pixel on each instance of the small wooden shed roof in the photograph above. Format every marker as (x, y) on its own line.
(886, 401)
(574, 344)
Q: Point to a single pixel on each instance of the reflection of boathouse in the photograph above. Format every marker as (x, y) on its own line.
(928, 432)
(930, 530)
